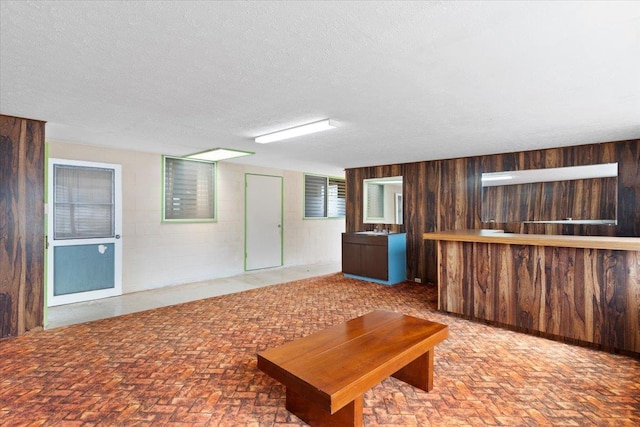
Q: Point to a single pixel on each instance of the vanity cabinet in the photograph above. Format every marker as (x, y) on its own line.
(375, 257)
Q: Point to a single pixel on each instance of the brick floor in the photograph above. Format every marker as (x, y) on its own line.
(195, 364)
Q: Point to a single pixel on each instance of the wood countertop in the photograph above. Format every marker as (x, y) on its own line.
(498, 236)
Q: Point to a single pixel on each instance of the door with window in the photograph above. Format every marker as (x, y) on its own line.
(84, 248)
(263, 221)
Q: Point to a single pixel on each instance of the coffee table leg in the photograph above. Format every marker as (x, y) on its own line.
(350, 415)
(418, 373)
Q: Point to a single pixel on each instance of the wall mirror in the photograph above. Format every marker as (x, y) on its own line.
(576, 194)
(382, 201)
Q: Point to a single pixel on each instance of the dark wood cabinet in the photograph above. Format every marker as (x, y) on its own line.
(377, 257)
(351, 258)
(365, 255)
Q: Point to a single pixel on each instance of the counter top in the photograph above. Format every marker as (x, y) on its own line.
(373, 233)
(567, 241)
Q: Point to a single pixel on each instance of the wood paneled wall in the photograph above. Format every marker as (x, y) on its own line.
(21, 225)
(444, 195)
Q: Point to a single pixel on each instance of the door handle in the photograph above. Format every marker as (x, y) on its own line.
(117, 236)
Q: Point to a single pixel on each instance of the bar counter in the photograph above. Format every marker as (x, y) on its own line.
(578, 289)
(498, 236)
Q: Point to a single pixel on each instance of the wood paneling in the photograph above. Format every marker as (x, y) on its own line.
(585, 295)
(21, 225)
(628, 157)
(443, 195)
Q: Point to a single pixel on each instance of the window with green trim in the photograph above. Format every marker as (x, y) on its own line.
(324, 197)
(189, 190)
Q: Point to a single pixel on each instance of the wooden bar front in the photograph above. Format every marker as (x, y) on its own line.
(573, 288)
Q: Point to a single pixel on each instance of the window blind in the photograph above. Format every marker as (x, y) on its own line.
(83, 202)
(337, 199)
(189, 189)
(315, 196)
(324, 197)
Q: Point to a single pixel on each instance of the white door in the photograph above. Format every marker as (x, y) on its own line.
(84, 249)
(263, 221)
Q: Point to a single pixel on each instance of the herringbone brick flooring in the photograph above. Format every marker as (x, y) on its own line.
(195, 364)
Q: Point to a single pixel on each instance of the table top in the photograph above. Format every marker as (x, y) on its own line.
(568, 241)
(331, 366)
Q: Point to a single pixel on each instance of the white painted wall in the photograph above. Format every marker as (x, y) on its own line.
(157, 254)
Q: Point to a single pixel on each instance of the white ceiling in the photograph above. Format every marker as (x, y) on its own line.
(406, 81)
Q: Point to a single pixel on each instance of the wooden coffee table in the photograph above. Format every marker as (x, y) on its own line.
(327, 373)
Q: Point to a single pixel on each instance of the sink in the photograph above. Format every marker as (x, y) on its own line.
(372, 233)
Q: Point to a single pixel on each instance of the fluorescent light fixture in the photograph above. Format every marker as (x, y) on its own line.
(485, 177)
(296, 131)
(217, 154)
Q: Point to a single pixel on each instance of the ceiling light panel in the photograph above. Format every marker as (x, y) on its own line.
(318, 126)
(218, 154)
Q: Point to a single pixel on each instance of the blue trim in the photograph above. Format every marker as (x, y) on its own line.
(397, 247)
(369, 279)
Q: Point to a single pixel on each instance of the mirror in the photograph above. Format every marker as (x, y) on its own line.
(567, 195)
(382, 201)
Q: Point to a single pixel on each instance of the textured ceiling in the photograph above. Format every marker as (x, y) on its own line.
(406, 81)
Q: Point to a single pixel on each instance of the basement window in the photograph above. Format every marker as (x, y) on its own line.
(324, 197)
(189, 190)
